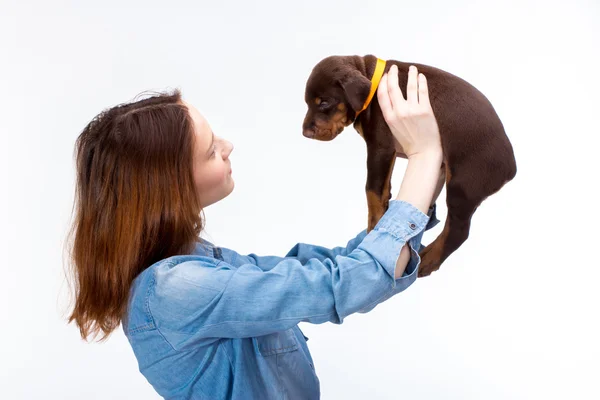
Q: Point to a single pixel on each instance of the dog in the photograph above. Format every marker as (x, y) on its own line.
(478, 156)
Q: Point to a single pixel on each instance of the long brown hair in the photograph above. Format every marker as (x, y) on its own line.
(135, 204)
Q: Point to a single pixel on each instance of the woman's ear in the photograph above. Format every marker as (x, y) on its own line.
(357, 88)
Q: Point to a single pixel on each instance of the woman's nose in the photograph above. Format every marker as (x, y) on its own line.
(229, 148)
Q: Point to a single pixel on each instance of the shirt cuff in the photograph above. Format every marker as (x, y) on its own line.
(433, 221)
(410, 273)
(401, 223)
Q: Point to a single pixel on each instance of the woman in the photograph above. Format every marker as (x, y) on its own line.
(206, 322)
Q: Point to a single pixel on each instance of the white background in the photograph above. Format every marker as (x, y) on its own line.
(513, 314)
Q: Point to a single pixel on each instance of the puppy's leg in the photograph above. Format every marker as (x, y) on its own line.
(464, 193)
(380, 164)
(456, 229)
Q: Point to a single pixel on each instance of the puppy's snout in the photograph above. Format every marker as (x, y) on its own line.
(308, 129)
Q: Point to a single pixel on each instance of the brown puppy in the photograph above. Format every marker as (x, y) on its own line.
(478, 157)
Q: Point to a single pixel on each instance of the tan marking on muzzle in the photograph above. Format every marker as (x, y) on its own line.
(340, 119)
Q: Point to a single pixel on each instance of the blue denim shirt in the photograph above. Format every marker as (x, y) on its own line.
(220, 325)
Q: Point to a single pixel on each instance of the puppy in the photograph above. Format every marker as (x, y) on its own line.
(478, 156)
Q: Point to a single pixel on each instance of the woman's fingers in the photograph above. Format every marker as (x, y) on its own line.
(412, 86)
(390, 95)
(423, 92)
(394, 91)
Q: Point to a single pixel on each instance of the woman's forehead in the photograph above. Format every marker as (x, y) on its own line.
(201, 127)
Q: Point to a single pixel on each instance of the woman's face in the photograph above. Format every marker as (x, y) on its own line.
(212, 167)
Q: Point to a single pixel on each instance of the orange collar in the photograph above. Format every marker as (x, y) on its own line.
(377, 74)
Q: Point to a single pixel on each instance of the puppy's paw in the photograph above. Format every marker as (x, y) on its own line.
(430, 261)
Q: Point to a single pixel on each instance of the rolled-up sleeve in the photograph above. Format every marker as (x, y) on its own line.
(200, 299)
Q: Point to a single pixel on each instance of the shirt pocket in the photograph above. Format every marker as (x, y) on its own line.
(294, 372)
(276, 343)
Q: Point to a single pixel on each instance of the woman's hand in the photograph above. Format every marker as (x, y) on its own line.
(411, 121)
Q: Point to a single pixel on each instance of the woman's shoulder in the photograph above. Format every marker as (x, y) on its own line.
(202, 256)
(177, 281)
(184, 272)
(171, 270)
(193, 269)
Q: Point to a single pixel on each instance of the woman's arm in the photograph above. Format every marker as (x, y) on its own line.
(305, 251)
(197, 298)
(418, 186)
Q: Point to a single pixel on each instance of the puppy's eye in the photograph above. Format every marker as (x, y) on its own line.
(324, 105)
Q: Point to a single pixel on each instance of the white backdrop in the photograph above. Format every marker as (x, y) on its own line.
(513, 314)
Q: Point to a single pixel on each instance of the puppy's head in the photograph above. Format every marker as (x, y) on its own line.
(336, 90)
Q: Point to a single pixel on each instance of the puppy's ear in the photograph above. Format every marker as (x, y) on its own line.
(357, 88)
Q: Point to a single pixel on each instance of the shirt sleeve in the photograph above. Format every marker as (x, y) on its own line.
(305, 251)
(196, 298)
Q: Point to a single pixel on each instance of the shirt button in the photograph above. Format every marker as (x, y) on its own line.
(413, 226)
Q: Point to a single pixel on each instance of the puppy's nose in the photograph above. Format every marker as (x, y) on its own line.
(309, 129)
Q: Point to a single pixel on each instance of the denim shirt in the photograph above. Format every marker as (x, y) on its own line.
(217, 324)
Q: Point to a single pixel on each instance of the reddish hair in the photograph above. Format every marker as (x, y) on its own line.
(135, 203)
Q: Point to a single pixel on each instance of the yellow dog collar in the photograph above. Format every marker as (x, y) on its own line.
(374, 83)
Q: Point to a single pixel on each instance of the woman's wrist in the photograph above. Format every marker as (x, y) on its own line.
(420, 179)
(433, 155)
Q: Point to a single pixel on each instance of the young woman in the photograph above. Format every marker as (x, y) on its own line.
(206, 322)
